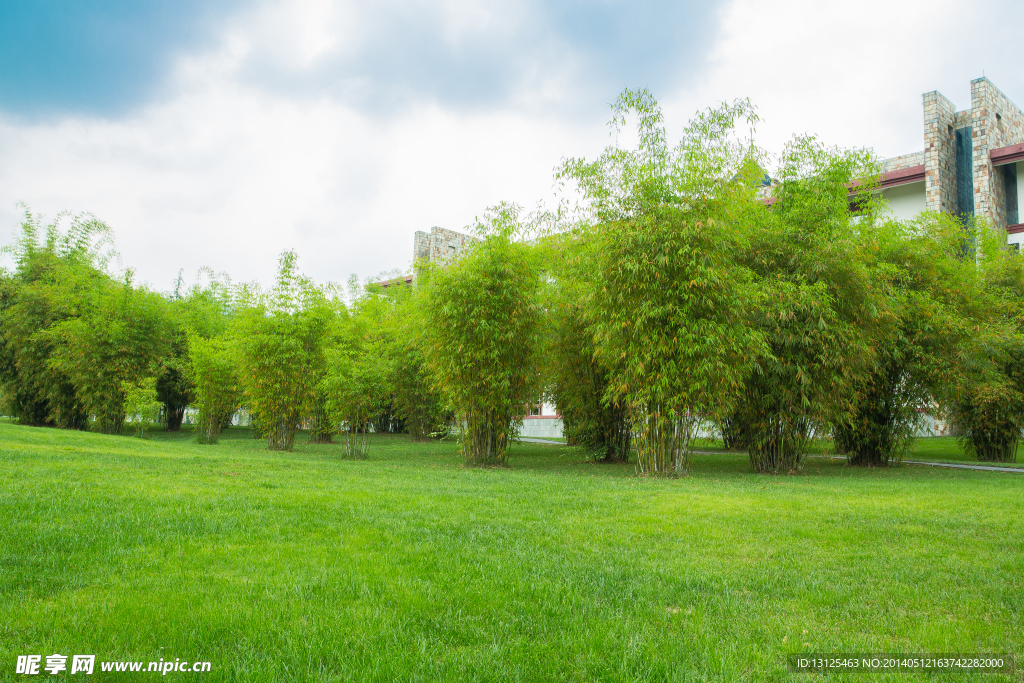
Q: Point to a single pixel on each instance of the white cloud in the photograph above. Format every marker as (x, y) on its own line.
(228, 176)
(854, 73)
(227, 172)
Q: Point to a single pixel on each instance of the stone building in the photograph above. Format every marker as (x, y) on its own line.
(436, 246)
(439, 245)
(971, 163)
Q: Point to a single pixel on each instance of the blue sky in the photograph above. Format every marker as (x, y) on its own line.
(220, 133)
(410, 52)
(106, 57)
(101, 57)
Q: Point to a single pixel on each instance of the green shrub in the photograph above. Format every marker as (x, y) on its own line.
(482, 331)
(215, 384)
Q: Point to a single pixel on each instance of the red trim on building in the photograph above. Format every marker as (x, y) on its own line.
(1007, 155)
(1015, 228)
(384, 284)
(904, 176)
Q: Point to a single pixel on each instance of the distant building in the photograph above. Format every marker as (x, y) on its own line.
(971, 163)
(436, 246)
(439, 245)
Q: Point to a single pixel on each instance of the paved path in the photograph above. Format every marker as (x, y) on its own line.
(959, 466)
(994, 468)
(955, 465)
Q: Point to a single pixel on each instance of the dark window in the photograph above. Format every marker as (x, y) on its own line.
(1010, 180)
(964, 173)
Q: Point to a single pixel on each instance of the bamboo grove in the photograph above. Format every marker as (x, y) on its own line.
(678, 288)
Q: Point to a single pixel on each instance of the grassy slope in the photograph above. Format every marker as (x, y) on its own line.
(306, 566)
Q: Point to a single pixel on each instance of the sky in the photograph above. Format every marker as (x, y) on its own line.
(220, 133)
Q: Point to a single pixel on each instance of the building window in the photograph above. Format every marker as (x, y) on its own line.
(964, 173)
(1010, 183)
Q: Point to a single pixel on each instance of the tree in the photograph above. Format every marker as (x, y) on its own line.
(141, 404)
(119, 343)
(986, 405)
(215, 382)
(817, 302)
(173, 387)
(56, 270)
(355, 383)
(925, 328)
(416, 400)
(482, 331)
(670, 324)
(204, 309)
(74, 337)
(416, 404)
(279, 339)
(668, 296)
(578, 382)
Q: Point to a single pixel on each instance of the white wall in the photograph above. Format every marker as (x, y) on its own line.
(542, 426)
(1020, 189)
(1019, 237)
(906, 201)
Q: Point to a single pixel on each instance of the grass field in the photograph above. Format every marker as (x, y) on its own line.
(408, 567)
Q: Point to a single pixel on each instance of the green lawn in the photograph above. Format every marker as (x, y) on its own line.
(408, 567)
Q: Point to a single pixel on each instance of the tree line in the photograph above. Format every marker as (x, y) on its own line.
(84, 347)
(675, 286)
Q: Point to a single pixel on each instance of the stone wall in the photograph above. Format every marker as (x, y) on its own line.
(446, 244)
(439, 244)
(421, 246)
(905, 161)
(939, 153)
(996, 122)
